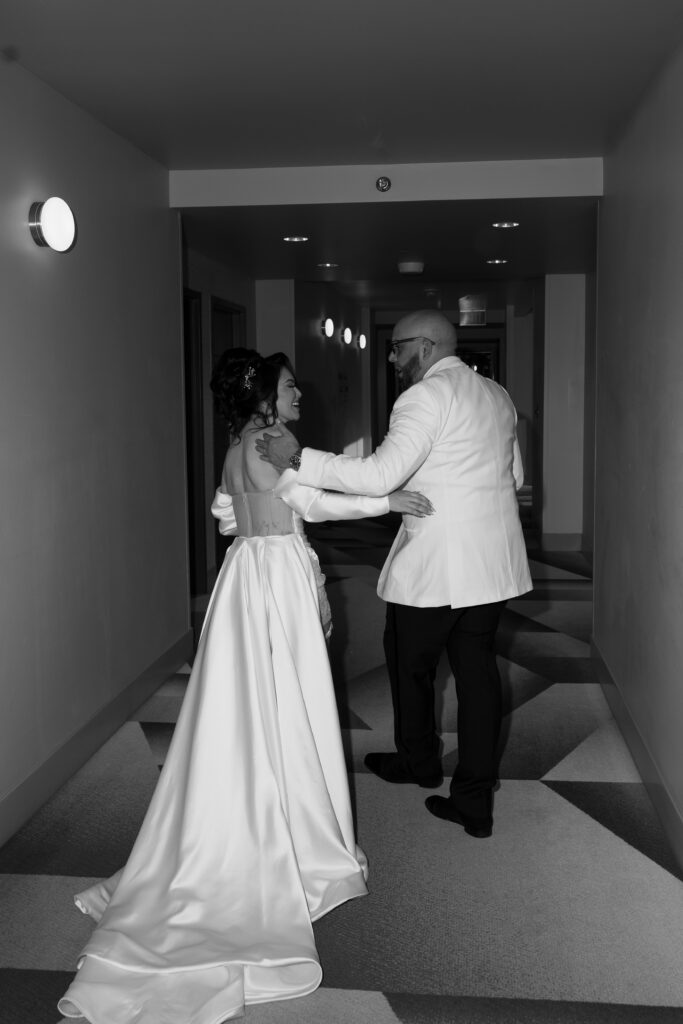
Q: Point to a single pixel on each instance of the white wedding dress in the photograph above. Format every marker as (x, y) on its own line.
(249, 835)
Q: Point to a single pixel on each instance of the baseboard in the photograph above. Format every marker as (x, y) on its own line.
(669, 814)
(23, 801)
(561, 541)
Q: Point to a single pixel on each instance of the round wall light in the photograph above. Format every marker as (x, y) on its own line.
(347, 335)
(52, 224)
(362, 340)
(328, 327)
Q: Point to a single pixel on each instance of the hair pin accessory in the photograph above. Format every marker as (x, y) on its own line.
(246, 383)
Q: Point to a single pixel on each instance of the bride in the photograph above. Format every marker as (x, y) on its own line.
(249, 836)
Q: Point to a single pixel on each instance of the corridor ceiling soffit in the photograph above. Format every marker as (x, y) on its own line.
(494, 179)
(267, 83)
(366, 240)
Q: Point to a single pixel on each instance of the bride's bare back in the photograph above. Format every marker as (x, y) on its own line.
(243, 469)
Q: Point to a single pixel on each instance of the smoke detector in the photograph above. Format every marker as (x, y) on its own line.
(410, 266)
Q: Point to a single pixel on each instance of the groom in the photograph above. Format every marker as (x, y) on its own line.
(447, 577)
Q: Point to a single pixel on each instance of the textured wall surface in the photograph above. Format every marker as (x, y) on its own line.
(92, 504)
(639, 455)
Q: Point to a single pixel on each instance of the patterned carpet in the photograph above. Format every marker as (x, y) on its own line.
(572, 912)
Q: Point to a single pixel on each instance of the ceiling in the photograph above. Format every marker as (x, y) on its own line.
(367, 240)
(201, 84)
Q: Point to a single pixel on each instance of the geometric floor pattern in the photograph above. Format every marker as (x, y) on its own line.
(571, 913)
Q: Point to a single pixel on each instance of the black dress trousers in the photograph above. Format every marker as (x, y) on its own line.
(414, 640)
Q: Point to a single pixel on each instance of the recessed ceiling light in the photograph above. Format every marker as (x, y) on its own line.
(348, 335)
(327, 266)
(496, 261)
(295, 238)
(362, 340)
(328, 327)
(505, 224)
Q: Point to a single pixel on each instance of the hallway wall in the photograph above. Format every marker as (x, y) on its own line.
(275, 316)
(563, 413)
(332, 375)
(587, 539)
(639, 421)
(92, 508)
(519, 345)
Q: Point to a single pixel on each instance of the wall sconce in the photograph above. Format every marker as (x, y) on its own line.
(362, 340)
(347, 335)
(328, 327)
(52, 224)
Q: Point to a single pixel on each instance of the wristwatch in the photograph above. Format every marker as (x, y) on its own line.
(295, 460)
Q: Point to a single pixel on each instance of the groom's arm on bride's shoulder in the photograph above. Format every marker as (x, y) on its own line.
(413, 428)
(282, 449)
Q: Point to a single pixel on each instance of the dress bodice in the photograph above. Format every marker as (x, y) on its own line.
(264, 514)
(281, 511)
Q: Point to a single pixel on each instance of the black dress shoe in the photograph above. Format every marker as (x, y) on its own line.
(442, 807)
(390, 768)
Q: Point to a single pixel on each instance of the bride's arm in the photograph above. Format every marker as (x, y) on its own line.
(222, 510)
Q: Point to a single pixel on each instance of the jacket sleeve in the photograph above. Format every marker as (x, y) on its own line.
(517, 467)
(413, 428)
(222, 510)
(317, 506)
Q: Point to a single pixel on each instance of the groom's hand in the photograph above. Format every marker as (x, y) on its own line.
(278, 448)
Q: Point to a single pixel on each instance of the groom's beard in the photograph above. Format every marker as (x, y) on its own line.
(409, 373)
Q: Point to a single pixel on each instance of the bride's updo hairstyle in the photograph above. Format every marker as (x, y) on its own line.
(245, 388)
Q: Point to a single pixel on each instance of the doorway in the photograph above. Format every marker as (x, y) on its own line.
(482, 348)
(228, 330)
(194, 439)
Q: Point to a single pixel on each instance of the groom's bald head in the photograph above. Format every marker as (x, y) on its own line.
(421, 339)
(431, 324)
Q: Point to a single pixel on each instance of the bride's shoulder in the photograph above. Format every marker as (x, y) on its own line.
(256, 473)
(254, 432)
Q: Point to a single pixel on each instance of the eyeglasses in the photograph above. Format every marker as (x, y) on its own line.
(402, 341)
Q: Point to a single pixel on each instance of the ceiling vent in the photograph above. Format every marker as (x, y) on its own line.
(472, 310)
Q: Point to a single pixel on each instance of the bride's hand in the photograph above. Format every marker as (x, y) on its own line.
(410, 503)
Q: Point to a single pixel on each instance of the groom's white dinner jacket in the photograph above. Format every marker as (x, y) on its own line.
(452, 437)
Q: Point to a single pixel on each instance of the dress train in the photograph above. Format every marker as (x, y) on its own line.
(249, 836)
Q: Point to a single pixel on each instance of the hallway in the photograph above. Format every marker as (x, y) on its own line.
(571, 913)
